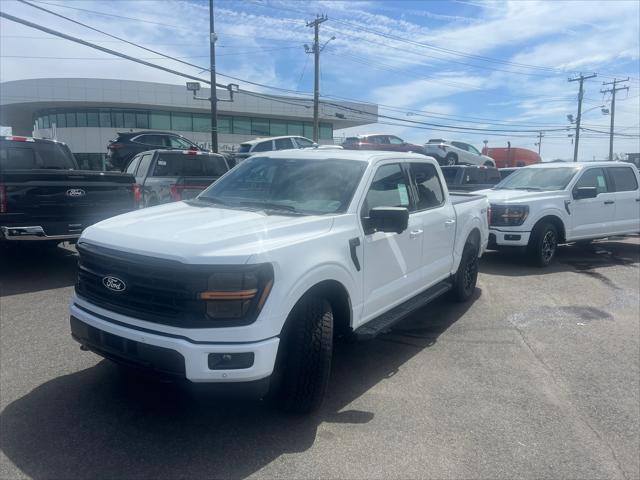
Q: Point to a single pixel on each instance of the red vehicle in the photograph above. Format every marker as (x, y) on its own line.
(388, 143)
(512, 156)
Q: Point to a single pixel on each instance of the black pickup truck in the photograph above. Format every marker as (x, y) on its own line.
(164, 176)
(469, 178)
(45, 197)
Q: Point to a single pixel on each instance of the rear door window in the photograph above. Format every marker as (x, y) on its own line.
(623, 178)
(283, 144)
(177, 142)
(263, 147)
(425, 178)
(155, 140)
(306, 143)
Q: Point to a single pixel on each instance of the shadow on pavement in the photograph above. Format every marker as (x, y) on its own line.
(578, 258)
(32, 268)
(98, 423)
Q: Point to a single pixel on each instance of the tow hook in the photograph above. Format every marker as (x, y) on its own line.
(84, 348)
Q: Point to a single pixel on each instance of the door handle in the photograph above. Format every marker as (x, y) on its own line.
(449, 223)
(415, 233)
(609, 202)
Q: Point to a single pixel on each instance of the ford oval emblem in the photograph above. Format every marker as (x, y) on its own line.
(114, 284)
(76, 192)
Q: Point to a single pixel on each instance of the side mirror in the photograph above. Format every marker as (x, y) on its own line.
(585, 192)
(388, 219)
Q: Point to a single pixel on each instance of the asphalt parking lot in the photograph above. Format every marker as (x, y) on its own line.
(539, 377)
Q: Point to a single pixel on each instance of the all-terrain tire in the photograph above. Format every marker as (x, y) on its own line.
(466, 277)
(304, 358)
(543, 244)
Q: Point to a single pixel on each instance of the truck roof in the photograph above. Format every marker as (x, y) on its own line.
(368, 156)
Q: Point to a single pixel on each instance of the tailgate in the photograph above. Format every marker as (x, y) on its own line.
(190, 187)
(41, 196)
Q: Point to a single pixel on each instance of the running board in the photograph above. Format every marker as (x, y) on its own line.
(374, 327)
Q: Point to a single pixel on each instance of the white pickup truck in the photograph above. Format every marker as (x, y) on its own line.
(540, 206)
(248, 284)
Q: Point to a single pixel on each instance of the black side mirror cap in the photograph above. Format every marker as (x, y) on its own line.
(388, 219)
(585, 192)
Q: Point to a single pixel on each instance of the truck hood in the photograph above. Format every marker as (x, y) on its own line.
(518, 196)
(203, 234)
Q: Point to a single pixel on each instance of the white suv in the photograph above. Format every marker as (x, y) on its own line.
(456, 153)
(271, 144)
(541, 205)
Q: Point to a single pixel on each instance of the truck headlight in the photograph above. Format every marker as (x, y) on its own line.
(238, 293)
(508, 215)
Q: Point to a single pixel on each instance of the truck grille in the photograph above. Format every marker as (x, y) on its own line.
(156, 290)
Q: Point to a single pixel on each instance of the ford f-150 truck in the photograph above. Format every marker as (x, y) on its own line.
(247, 284)
(44, 197)
(539, 206)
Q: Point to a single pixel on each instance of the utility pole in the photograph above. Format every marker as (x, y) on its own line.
(316, 81)
(539, 142)
(613, 91)
(581, 79)
(214, 96)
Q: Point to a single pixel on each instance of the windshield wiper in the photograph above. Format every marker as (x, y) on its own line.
(270, 206)
(212, 200)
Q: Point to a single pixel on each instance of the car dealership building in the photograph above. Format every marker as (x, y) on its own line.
(86, 113)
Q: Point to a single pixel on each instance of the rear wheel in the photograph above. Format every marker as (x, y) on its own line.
(302, 369)
(451, 159)
(464, 281)
(543, 244)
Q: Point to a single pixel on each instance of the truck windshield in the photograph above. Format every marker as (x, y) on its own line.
(15, 155)
(297, 186)
(538, 179)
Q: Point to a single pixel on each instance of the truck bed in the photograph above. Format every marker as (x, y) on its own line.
(460, 197)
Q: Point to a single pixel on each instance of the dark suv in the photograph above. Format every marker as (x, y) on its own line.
(388, 143)
(127, 144)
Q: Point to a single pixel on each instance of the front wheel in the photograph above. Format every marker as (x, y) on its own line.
(543, 244)
(466, 277)
(302, 369)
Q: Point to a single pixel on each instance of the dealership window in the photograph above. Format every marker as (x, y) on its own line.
(295, 128)
(160, 120)
(117, 118)
(105, 118)
(201, 123)
(45, 121)
(224, 124)
(326, 131)
(308, 130)
(70, 118)
(92, 119)
(260, 127)
(81, 119)
(181, 121)
(142, 120)
(129, 120)
(242, 125)
(277, 129)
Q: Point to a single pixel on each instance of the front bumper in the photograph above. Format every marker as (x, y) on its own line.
(170, 354)
(508, 238)
(34, 232)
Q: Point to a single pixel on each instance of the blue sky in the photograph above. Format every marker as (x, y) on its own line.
(466, 64)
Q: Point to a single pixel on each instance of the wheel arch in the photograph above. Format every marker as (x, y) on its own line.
(338, 297)
(556, 222)
(474, 238)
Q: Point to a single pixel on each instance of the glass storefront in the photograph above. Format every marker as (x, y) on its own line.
(177, 121)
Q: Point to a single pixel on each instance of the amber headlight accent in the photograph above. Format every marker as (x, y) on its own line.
(239, 293)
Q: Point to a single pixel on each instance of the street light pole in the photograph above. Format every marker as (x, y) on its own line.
(214, 97)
